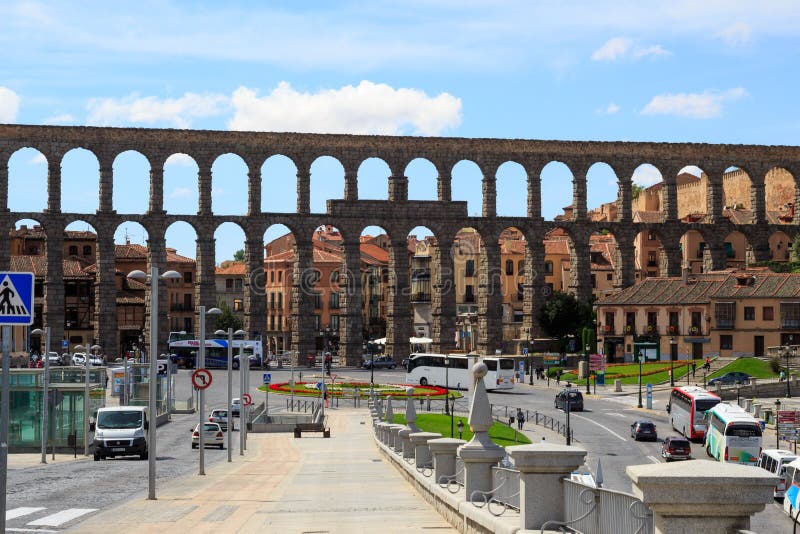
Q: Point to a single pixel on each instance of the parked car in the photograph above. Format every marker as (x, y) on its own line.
(644, 430)
(54, 358)
(733, 377)
(676, 448)
(385, 362)
(236, 405)
(220, 416)
(573, 396)
(212, 435)
(78, 358)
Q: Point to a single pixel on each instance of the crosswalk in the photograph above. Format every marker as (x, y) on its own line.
(51, 518)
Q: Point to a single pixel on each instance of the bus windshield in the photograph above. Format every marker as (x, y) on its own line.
(743, 430)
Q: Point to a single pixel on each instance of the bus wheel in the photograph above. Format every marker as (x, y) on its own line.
(423, 381)
(708, 451)
(235, 365)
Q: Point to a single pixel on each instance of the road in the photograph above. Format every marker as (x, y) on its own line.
(87, 486)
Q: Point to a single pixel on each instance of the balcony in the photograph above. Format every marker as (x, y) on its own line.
(790, 324)
(176, 307)
(725, 324)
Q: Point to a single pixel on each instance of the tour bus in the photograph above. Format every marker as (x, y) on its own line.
(733, 435)
(183, 352)
(430, 369)
(791, 499)
(686, 407)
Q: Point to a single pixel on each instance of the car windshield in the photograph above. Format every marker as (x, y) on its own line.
(646, 426)
(210, 427)
(679, 443)
(220, 413)
(125, 419)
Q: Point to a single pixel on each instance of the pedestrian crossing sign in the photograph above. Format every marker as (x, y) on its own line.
(16, 298)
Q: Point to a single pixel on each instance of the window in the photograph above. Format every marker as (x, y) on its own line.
(749, 313)
(229, 283)
(594, 281)
(610, 321)
(520, 292)
(87, 250)
(609, 277)
(280, 276)
(335, 323)
(272, 322)
(469, 294)
(725, 314)
(729, 251)
(651, 258)
(316, 322)
(630, 323)
(768, 313)
(673, 322)
(187, 277)
(334, 301)
(469, 268)
(790, 314)
(652, 322)
(726, 342)
(651, 236)
(272, 276)
(317, 301)
(548, 267)
(73, 250)
(335, 277)
(238, 283)
(509, 267)
(238, 305)
(280, 301)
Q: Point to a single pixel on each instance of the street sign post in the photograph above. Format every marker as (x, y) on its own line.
(267, 380)
(16, 308)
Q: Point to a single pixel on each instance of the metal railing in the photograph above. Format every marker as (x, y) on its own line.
(501, 413)
(454, 482)
(598, 511)
(504, 493)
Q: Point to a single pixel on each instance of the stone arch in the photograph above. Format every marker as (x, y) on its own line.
(423, 178)
(79, 250)
(279, 258)
(556, 195)
(648, 194)
(229, 184)
(780, 192)
(328, 174)
(606, 263)
(652, 254)
(780, 246)
(181, 191)
(27, 179)
(467, 247)
(376, 276)
(181, 295)
(513, 251)
(466, 184)
(373, 179)
(691, 194)
(602, 192)
(422, 247)
(131, 177)
(737, 187)
(79, 193)
(131, 246)
(279, 184)
(512, 185)
(738, 250)
(693, 244)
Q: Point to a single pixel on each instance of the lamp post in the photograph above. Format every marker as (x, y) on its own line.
(452, 412)
(201, 364)
(693, 365)
(153, 373)
(788, 381)
(460, 426)
(371, 371)
(777, 428)
(566, 411)
(447, 390)
(640, 380)
(85, 351)
(45, 386)
(673, 349)
(588, 374)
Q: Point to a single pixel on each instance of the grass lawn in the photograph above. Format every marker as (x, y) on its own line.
(500, 433)
(751, 366)
(633, 368)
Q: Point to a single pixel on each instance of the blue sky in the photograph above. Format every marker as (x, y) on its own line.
(711, 71)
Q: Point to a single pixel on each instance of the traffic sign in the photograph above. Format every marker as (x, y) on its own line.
(524, 351)
(247, 400)
(596, 362)
(201, 378)
(64, 344)
(267, 379)
(16, 298)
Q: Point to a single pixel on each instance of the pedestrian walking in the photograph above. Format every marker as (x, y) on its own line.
(520, 418)
(694, 368)
(558, 377)
(782, 375)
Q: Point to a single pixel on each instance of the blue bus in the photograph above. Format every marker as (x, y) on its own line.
(183, 352)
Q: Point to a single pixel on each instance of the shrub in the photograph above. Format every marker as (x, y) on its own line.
(551, 372)
(775, 365)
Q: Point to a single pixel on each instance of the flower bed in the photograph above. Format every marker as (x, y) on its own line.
(348, 389)
(610, 375)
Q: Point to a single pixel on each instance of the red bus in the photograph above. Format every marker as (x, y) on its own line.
(687, 406)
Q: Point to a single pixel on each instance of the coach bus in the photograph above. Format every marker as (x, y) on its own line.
(430, 369)
(686, 407)
(733, 435)
(183, 352)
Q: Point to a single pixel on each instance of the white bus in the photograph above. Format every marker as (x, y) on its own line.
(791, 500)
(429, 369)
(733, 435)
(686, 407)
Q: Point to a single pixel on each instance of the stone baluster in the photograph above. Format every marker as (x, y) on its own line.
(542, 468)
(389, 410)
(481, 453)
(395, 441)
(419, 440)
(702, 495)
(411, 425)
(444, 452)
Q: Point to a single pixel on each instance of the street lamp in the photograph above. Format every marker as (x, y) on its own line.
(640, 380)
(447, 390)
(46, 386)
(141, 276)
(673, 349)
(452, 412)
(788, 381)
(588, 374)
(201, 364)
(777, 428)
(230, 334)
(81, 348)
(460, 426)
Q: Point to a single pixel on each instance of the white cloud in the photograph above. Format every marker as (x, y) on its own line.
(704, 105)
(150, 110)
(64, 118)
(9, 105)
(619, 48)
(692, 169)
(182, 192)
(181, 160)
(737, 34)
(646, 175)
(38, 159)
(368, 108)
(610, 109)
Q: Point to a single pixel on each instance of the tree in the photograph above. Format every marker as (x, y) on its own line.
(239, 255)
(563, 316)
(227, 319)
(795, 254)
(636, 190)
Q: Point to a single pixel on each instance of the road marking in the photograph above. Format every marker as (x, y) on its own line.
(601, 426)
(653, 459)
(62, 517)
(39, 530)
(19, 512)
(619, 415)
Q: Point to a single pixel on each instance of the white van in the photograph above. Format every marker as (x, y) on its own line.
(121, 431)
(775, 461)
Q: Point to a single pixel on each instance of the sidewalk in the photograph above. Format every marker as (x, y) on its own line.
(282, 484)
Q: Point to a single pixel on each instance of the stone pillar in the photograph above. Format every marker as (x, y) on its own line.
(205, 289)
(580, 271)
(157, 186)
(542, 468)
(389, 410)
(670, 197)
(714, 257)
(255, 283)
(490, 299)
(481, 453)
(534, 190)
(106, 188)
(625, 264)
(489, 187)
(6, 221)
(303, 333)
(714, 198)
(411, 425)
(157, 257)
(303, 188)
(758, 201)
(625, 200)
(351, 328)
(3, 182)
(254, 179)
(54, 283)
(350, 184)
(444, 185)
(395, 441)
(422, 454)
(398, 307)
(444, 451)
(105, 291)
(721, 499)
(671, 260)
(443, 299)
(578, 194)
(398, 188)
(204, 185)
(53, 192)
